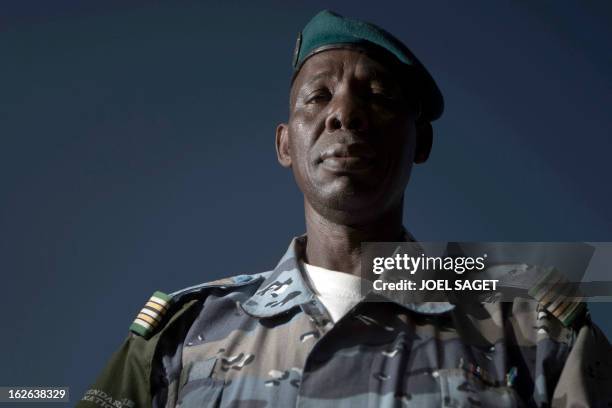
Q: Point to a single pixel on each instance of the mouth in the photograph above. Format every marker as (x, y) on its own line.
(340, 158)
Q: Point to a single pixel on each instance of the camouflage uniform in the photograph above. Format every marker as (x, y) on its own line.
(266, 341)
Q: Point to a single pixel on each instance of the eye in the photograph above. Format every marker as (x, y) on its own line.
(383, 94)
(319, 96)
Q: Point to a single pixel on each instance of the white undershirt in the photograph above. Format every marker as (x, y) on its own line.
(338, 291)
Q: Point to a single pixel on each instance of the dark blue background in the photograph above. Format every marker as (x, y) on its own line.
(138, 150)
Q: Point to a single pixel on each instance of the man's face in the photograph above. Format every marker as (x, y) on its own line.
(351, 136)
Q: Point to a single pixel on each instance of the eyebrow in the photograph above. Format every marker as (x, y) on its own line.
(321, 75)
(384, 77)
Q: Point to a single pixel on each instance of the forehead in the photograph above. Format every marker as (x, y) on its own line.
(339, 62)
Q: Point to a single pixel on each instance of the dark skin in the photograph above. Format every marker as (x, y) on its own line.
(352, 138)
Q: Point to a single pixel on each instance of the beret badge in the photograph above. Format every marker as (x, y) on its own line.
(296, 51)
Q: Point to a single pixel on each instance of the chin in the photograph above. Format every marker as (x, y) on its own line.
(350, 206)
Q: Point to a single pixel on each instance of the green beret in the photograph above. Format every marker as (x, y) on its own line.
(328, 30)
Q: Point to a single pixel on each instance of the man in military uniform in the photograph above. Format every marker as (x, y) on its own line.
(361, 107)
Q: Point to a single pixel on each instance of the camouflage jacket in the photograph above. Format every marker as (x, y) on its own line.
(265, 340)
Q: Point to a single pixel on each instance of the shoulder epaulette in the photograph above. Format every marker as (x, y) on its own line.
(560, 297)
(152, 316)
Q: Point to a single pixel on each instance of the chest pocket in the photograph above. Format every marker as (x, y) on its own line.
(460, 388)
(198, 387)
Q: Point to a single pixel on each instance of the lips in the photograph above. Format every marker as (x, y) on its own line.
(347, 157)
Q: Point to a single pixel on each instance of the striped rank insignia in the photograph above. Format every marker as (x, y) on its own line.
(151, 314)
(560, 297)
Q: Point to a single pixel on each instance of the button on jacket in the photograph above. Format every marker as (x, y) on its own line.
(265, 340)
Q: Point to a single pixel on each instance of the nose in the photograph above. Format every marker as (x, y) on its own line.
(346, 113)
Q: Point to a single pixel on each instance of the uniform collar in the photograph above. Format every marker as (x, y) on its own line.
(286, 288)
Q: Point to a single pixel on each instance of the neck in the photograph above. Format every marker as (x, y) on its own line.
(337, 246)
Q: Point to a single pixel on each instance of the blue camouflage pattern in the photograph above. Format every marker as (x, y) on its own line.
(264, 340)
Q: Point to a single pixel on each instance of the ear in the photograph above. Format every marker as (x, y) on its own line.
(424, 140)
(283, 152)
